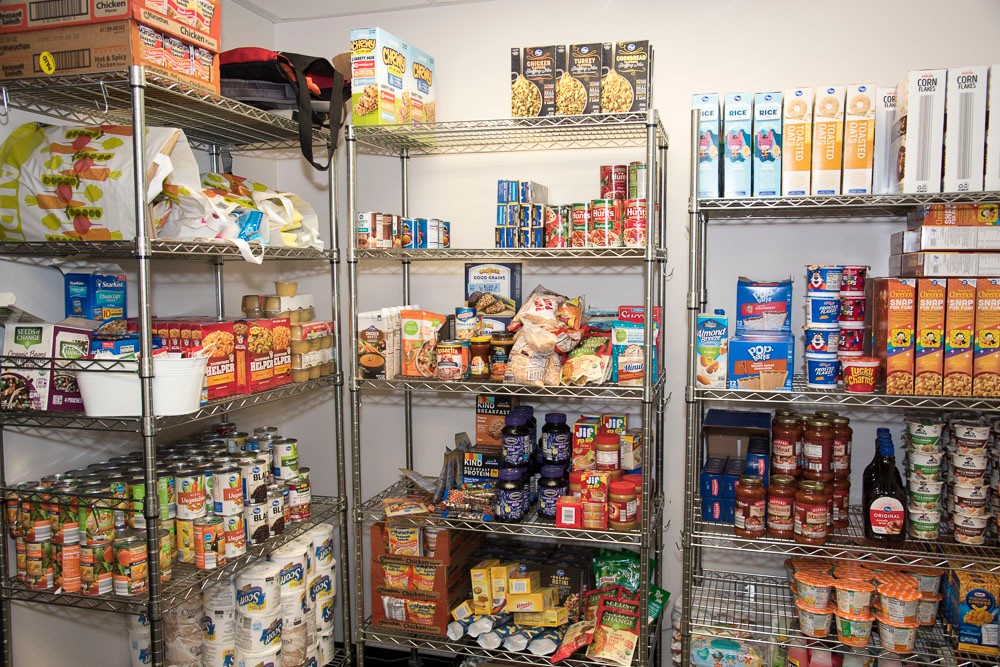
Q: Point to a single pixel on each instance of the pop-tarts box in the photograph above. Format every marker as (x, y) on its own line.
(737, 148)
(708, 144)
(761, 362)
(711, 477)
(767, 145)
(95, 297)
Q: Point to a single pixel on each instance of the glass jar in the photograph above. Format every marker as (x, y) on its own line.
(751, 507)
(479, 358)
(557, 440)
(500, 344)
(840, 457)
(827, 414)
(781, 492)
(827, 480)
(811, 508)
(841, 502)
(622, 514)
(510, 499)
(608, 448)
(785, 436)
(515, 440)
(551, 487)
(817, 448)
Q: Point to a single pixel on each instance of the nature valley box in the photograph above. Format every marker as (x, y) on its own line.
(380, 76)
(986, 365)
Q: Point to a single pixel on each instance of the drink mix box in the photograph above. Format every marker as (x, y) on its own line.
(884, 164)
(712, 345)
(828, 140)
(380, 78)
(737, 147)
(918, 130)
(709, 124)
(986, 361)
(894, 301)
(960, 326)
(767, 145)
(797, 122)
(928, 341)
(859, 139)
(965, 131)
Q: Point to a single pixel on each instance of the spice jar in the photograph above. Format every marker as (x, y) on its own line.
(841, 502)
(840, 457)
(811, 509)
(500, 344)
(751, 507)
(785, 436)
(510, 499)
(608, 448)
(622, 507)
(817, 448)
(781, 492)
(479, 358)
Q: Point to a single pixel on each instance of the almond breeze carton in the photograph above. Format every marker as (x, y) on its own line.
(796, 163)
(712, 347)
(965, 132)
(767, 145)
(918, 130)
(859, 139)
(708, 144)
(828, 140)
(737, 147)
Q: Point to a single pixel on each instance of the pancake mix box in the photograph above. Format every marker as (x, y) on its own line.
(767, 145)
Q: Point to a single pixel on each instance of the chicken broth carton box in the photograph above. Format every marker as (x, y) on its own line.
(828, 140)
(859, 139)
(986, 362)
(965, 131)
(767, 145)
(380, 76)
(796, 163)
(708, 144)
(918, 130)
(737, 148)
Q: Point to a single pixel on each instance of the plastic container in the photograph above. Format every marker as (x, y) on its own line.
(854, 629)
(176, 388)
(925, 494)
(970, 433)
(852, 309)
(970, 529)
(925, 465)
(823, 278)
(924, 524)
(853, 571)
(852, 279)
(854, 596)
(970, 500)
(822, 310)
(822, 341)
(822, 370)
(898, 602)
(852, 336)
(928, 579)
(897, 637)
(968, 469)
(814, 622)
(813, 589)
(924, 435)
(927, 609)
(893, 576)
(859, 373)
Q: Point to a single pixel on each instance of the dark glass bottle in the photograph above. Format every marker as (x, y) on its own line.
(868, 476)
(885, 496)
(556, 445)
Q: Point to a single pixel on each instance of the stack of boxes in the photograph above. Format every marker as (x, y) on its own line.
(948, 240)
(720, 474)
(762, 353)
(971, 609)
(521, 214)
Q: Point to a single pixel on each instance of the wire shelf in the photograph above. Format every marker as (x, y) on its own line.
(187, 581)
(161, 248)
(207, 119)
(511, 134)
(836, 205)
(603, 391)
(532, 525)
(509, 253)
(341, 658)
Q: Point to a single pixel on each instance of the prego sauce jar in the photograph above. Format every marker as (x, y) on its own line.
(751, 507)
(781, 493)
(817, 448)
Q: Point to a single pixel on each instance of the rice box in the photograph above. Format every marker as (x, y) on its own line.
(422, 95)
(380, 75)
(761, 362)
(796, 160)
(767, 145)
(737, 147)
(918, 130)
(708, 144)
(884, 160)
(828, 140)
(712, 345)
(628, 353)
(31, 389)
(965, 135)
(992, 182)
(859, 139)
(95, 297)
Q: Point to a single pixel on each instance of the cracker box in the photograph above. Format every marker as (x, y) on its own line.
(579, 67)
(928, 342)
(767, 145)
(884, 179)
(965, 131)
(712, 345)
(709, 126)
(986, 362)
(761, 362)
(796, 157)
(380, 76)
(737, 150)
(960, 326)
(828, 140)
(894, 301)
(628, 85)
(423, 98)
(918, 130)
(95, 297)
(491, 411)
(992, 182)
(31, 389)
(533, 92)
(859, 139)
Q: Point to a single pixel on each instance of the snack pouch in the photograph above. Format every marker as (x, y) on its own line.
(615, 637)
(590, 362)
(577, 636)
(546, 642)
(419, 338)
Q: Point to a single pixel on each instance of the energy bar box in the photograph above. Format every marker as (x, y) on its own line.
(709, 123)
(423, 104)
(859, 139)
(380, 75)
(918, 130)
(986, 361)
(965, 131)
(767, 145)
(796, 163)
(737, 151)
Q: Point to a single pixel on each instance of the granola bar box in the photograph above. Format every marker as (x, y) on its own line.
(380, 78)
(761, 362)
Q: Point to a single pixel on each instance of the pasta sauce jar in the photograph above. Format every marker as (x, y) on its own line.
(781, 493)
(811, 510)
(843, 434)
(817, 448)
(751, 507)
(785, 435)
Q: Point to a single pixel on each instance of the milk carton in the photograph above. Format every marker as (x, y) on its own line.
(859, 139)
(993, 134)
(712, 347)
(380, 76)
(884, 166)
(796, 162)
(737, 148)
(918, 130)
(965, 135)
(767, 145)
(708, 143)
(422, 97)
(828, 140)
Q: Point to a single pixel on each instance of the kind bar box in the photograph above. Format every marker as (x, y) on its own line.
(423, 104)
(884, 179)
(767, 145)
(490, 414)
(762, 363)
(95, 297)
(380, 75)
(859, 139)
(986, 363)
(894, 300)
(960, 331)
(928, 341)
(712, 345)
(992, 181)
(737, 150)
(578, 89)
(709, 126)
(965, 130)
(533, 93)
(797, 124)
(918, 130)
(828, 140)
(628, 84)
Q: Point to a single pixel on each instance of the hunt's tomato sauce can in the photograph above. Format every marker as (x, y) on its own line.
(635, 223)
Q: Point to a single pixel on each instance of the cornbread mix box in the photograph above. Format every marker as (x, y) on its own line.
(628, 84)
(761, 362)
(380, 78)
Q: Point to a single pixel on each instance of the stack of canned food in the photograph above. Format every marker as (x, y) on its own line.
(83, 531)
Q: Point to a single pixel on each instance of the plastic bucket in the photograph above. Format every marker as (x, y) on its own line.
(822, 370)
(823, 278)
(176, 389)
(852, 336)
(822, 310)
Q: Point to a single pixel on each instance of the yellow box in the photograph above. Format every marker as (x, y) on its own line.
(463, 610)
(499, 574)
(828, 140)
(482, 600)
(550, 618)
(859, 139)
(527, 582)
(543, 599)
(796, 161)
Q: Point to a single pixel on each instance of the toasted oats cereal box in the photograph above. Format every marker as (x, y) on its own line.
(796, 163)
(859, 139)
(965, 131)
(423, 105)
(737, 147)
(895, 311)
(918, 130)
(828, 140)
(708, 143)
(380, 76)
(986, 362)
(992, 181)
(884, 179)
(712, 346)
(959, 322)
(767, 145)
(929, 337)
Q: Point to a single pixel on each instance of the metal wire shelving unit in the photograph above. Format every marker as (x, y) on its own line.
(637, 130)
(212, 123)
(755, 607)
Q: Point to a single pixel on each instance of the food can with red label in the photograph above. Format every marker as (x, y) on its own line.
(580, 226)
(619, 180)
(635, 223)
(209, 543)
(38, 566)
(20, 556)
(607, 181)
(65, 516)
(131, 574)
(97, 562)
(637, 180)
(299, 499)
(236, 536)
(557, 226)
(66, 567)
(605, 223)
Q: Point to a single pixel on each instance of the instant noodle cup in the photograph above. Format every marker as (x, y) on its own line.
(895, 577)
(854, 596)
(928, 579)
(927, 609)
(854, 629)
(970, 529)
(852, 279)
(822, 370)
(822, 340)
(852, 336)
(814, 622)
(897, 637)
(814, 589)
(924, 524)
(925, 494)
(924, 435)
(822, 310)
(823, 278)
(970, 500)
(925, 465)
(968, 469)
(898, 602)
(859, 373)
(852, 309)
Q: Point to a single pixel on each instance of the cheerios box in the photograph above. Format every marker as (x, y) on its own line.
(709, 126)
(986, 362)
(712, 345)
(767, 145)
(960, 332)
(737, 148)
(761, 362)
(423, 97)
(928, 340)
(828, 140)
(380, 75)
(796, 162)
(894, 301)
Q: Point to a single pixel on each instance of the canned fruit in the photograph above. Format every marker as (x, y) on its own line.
(897, 637)
(185, 540)
(96, 568)
(854, 596)
(66, 568)
(131, 574)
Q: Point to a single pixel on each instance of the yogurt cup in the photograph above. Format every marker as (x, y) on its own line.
(898, 602)
(924, 524)
(895, 577)
(854, 596)
(970, 529)
(897, 637)
(852, 279)
(813, 589)
(823, 278)
(968, 469)
(927, 608)
(925, 465)
(925, 434)
(822, 341)
(852, 336)
(859, 373)
(970, 500)
(822, 371)
(822, 309)
(854, 629)
(925, 494)
(928, 579)
(814, 622)
(852, 309)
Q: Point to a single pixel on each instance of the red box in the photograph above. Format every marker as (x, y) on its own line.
(220, 373)
(254, 360)
(281, 351)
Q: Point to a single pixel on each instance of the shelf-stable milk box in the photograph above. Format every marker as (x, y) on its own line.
(859, 139)
(708, 143)
(796, 162)
(884, 165)
(965, 130)
(737, 148)
(918, 130)
(993, 133)
(767, 145)
(828, 140)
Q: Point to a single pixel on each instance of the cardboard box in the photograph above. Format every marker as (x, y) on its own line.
(960, 332)
(372, 346)
(710, 478)
(481, 466)
(796, 157)
(95, 297)
(986, 363)
(550, 618)
(828, 140)
(480, 575)
(631, 451)
(859, 139)
(953, 215)
(595, 486)
(423, 96)
(281, 352)
(570, 577)
(254, 355)
(971, 610)
(918, 130)
(762, 363)
(491, 411)
(943, 264)
(711, 345)
(737, 153)
(728, 432)
(220, 372)
(106, 47)
(992, 180)
(539, 70)
(628, 85)
(735, 468)
(493, 289)
(767, 145)
(894, 302)
(499, 577)
(584, 436)
(545, 598)
(965, 131)
(524, 582)
(578, 90)
(884, 179)
(709, 127)
(380, 77)
(944, 238)
(928, 341)
(122, 345)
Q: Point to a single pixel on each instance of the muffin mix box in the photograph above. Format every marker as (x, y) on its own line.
(986, 361)
(894, 300)
(709, 125)
(918, 130)
(859, 139)
(737, 147)
(965, 131)
(380, 76)
(960, 320)
(884, 159)
(797, 122)
(767, 145)
(828, 140)
(928, 343)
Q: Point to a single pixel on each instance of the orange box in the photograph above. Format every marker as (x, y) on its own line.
(254, 360)
(595, 486)
(828, 140)
(281, 351)
(929, 338)
(959, 322)
(220, 373)
(895, 315)
(954, 215)
(986, 363)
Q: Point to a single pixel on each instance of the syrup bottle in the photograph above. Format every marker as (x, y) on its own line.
(884, 495)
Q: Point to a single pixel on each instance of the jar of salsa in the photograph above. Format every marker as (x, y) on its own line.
(785, 436)
(843, 434)
(781, 491)
(817, 448)
(841, 501)
(500, 345)
(811, 508)
(827, 414)
(751, 507)
(479, 358)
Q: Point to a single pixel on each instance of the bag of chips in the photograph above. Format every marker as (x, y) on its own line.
(577, 636)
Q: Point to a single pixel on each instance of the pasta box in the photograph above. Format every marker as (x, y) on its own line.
(254, 356)
(220, 372)
(761, 362)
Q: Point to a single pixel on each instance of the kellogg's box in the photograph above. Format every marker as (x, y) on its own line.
(761, 362)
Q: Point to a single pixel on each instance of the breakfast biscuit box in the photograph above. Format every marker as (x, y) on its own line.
(992, 181)
(737, 148)
(965, 130)
(918, 130)
(712, 348)
(960, 324)
(986, 361)
(709, 124)
(894, 300)
(884, 165)
(767, 145)
(929, 337)
(796, 163)
(828, 140)
(859, 139)
(380, 75)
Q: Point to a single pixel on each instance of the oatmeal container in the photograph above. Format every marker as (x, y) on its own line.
(970, 529)
(814, 622)
(968, 469)
(925, 494)
(813, 589)
(897, 637)
(924, 434)
(852, 280)
(822, 310)
(924, 524)
(925, 465)
(822, 371)
(854, 629)
(823, 278)
(822, 341)
(852, 309)
(898, 602)
(854, 596)
(970, 500)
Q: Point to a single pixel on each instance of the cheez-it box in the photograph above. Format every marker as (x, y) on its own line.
(986, 363)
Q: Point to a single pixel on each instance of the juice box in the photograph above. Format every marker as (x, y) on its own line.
(712, 346)
(960, 319)
(708, 144)
(992, 181)
(986, 363)
(796, 163)
(584, 434)
(929, 337)
(767, 145)
(859, 139)
(895, 312)
(884, 166)
(918, 130)
(737, 150)
(965, 135)
(828, 140)
(380, 76)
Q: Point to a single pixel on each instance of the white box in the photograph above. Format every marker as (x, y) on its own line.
(945, 238)
(946, 264)
(884, 180)
(918, 130)
(828, 140)
(992, 181)
(767, 145)
(708, 144)
(796, 156)
(859, 139)
(965, 129)
(737, 148)
(422, 96)
(380, 76)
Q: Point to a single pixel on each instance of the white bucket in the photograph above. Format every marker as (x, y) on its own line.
(258, 634)
(222, 655)
(322, 539)
(176, 389)
(291, 560)
(270, 658)
(258, 591)
(219, 596)
(139, 649)
(327, 648)
(218, 627)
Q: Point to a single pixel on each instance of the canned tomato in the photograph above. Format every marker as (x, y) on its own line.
(227, 491)
(637, 180)
(36, 517)
(131, 574)
(557, 226)
(256, 519)
(580, 226)
(449, 360)
(184, 539)
(607, 181)
(96, 520)
(635, 223)
(38, 566)
(285, 458)
(254, 474)
(66, 567)
(190, 494)
(236, 536)
(209, 543)
(64, 513)
(275, 513)
(299, 499)
(96, 567)
(605, 223)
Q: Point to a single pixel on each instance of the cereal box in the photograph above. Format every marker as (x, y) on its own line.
(992, 182)
(761, 362)
(797, 125)
(960, 320)
(859, 139)
(578, 90)
(423, 102)
(254, 360)
(965, 131)
(928, 341)
(737, 148)
(712, 345)
(986, 363)
(533, 93)
(894, 300)
(884, 179)
(767, 145)
(918, 130)
(490, 414)
(628, 84)
(380, 76)
(828, 140)
(954, 215)
(220, 372)
(708, 144)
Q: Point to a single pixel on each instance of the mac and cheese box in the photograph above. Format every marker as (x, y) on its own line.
(884, 179)
(859, 139)
(737, 150)
(828, 140)
(929, 337)
(767, 145)
(918, 130)
(796, 163)
(960, 326)
(380, 78)
(708, 144)
(894, 300)
(986, 362)
(965, 131)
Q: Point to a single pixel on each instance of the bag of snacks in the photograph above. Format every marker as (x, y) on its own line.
(616, 634)
(590, 361)
(577, 636)
(541, 308)
(419, 338)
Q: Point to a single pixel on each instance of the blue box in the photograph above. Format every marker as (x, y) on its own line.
(764, 363)
(95, 297)
(506, 237)
(709, 127)
(737, 147)
(498, 280)
(507, 191)
(758, 460)
(734, 468)
(767, 145)
(711, 477)
(711, 510)
(122, 345)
